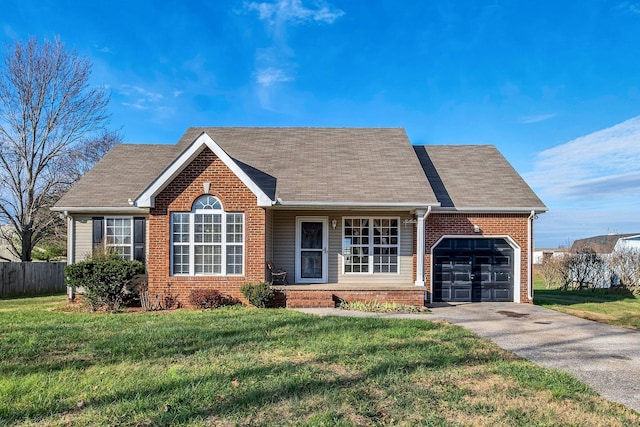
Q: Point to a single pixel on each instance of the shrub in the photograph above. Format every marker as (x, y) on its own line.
(258, 294)
(210, 298)
(105, 281)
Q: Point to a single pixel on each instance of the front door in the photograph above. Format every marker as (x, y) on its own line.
(311, 249)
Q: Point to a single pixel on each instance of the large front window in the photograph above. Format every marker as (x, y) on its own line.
(370, 245)
(207, 240)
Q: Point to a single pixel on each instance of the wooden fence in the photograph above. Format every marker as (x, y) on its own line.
(31, 278)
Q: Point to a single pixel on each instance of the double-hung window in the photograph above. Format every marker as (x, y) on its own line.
(371, 245)
(118, 236)
(207, 240)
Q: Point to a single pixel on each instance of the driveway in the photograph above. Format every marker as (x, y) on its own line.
(605, 357)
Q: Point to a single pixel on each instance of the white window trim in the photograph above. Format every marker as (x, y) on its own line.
(104, 230)
(192, 244)
(371, 246)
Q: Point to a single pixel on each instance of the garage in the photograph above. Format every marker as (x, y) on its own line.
(473, 270)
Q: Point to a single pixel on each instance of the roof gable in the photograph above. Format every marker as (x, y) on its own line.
(146, 198)
(366, 167)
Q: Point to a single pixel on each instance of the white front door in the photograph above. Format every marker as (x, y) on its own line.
(311, 249)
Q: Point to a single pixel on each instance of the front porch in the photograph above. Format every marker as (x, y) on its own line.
(331, 294)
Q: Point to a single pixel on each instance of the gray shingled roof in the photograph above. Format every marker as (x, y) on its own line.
(361, 165)
(475, 176)
(122, 174)
(324, 165)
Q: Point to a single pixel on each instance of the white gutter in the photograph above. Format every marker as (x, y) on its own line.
(359, 205)
(529, 250)
(102, 209)
(494, 209)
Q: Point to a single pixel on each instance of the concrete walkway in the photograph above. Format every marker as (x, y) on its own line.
(607, 358)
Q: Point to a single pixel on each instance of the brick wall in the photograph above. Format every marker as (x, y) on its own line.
(512, 225)
(179, 196)
(331, 298)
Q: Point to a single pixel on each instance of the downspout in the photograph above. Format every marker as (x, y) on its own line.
(70, 248)
(529, 251)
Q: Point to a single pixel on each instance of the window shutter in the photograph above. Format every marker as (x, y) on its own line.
(138, 239)
(98, 232)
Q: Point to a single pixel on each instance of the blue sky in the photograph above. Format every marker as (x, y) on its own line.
(555, 85)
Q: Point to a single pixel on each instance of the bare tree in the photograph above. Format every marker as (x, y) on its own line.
(625, 264)
(586, 269)
(555, 273)
(47, 110)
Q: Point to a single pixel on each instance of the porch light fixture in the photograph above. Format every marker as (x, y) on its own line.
(476, 228)
(334, 223)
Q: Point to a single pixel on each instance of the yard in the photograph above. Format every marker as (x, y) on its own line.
(241, 366)
(619, 309)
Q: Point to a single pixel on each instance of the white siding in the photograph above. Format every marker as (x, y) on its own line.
(83, 236)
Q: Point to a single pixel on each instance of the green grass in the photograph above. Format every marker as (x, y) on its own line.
(240, 366)
(602, 305)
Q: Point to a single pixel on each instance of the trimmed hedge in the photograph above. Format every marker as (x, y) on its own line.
(105, 281)
(210, 298)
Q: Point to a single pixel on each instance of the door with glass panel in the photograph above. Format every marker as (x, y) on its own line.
(311, 249)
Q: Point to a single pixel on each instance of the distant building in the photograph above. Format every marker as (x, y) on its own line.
(603, 244)
(5, 253)
(630, 242)
(540, 255)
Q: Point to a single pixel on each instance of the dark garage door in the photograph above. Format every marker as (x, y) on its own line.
(473, 270)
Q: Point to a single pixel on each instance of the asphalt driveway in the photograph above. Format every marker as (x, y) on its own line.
(605, 357)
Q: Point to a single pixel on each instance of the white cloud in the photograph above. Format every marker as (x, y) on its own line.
(103, 49)
(604, 164)
(628, 7)
(268, 76)
(535, 118)
(140, 98)
(294, 11)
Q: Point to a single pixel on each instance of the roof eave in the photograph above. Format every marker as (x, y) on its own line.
(493, 209)
(301, 204)
(101, 209)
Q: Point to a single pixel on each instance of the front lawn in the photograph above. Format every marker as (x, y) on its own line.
(240, 366)
(597, 304)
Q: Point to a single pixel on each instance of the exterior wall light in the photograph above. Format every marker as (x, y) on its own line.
(334, 223)
(476, 228)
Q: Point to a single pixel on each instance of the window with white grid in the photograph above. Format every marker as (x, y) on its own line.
(370, 245)
(118, 236)
(385, 245)
(207, 240)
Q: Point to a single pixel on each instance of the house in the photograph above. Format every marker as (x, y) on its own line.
(628, 243)
(349, 213)
(541, 255)
(5, 249)
(604, 244)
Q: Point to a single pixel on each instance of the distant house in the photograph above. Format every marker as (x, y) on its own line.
(350, 214)
(5, 252)
(540, 255)
(629, 242)
(603, 244)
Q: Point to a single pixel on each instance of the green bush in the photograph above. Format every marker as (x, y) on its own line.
(258, 294)
(105, 280)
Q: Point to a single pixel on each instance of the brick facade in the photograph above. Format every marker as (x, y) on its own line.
(514, 226)
(179, 196)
